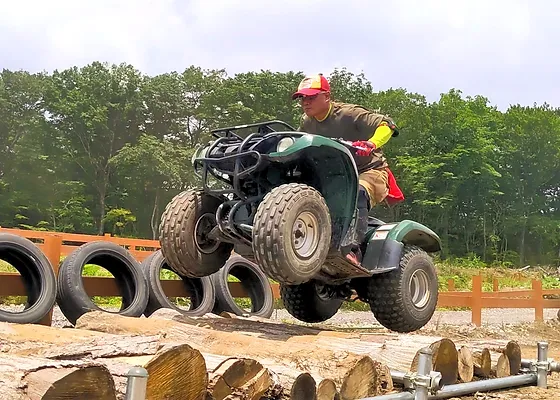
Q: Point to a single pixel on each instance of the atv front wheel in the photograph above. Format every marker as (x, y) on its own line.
(292, 233)
(310, 302)
(184, 235)
(404, 300)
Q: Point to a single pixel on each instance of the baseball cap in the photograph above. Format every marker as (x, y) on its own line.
(312, 84)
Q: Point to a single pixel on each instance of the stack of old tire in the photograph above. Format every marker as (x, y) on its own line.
(138, 283)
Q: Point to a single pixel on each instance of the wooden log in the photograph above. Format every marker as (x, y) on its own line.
(288, 360)
(243, 377)
(304, 388)
(445, 359)
(362, 380)
(465, 365)
(513, 351)
(35, 378)
(326, 390)
(385, 380)
(176, 371)
(482, 363)
(111, 346)
(501, 368)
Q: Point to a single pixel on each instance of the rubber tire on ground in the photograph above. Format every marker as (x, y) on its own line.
(391, 302)
(201, 289)
(272, 233)
(72, 297)
(37, 275)
(177, 235)
(253, 280)
(304, 303)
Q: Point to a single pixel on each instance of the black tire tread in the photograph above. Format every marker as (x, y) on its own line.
(177, 236)
(302, 303)
(385, 295)
(268, 241)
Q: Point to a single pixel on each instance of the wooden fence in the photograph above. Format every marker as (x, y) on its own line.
(56, 245)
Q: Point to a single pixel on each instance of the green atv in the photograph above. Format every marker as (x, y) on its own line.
(287, 201)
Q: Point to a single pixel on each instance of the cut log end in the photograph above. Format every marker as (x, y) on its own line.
(502, 369)
(466, 364)
(445, 359)
(38, 378)
(239, 376)
(178, 372)
(327, 390)
(362, 380)
(95, 383)
(513, 352)
(304, 388)
(482, 361)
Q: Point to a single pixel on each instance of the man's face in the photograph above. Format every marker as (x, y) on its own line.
(316, 105)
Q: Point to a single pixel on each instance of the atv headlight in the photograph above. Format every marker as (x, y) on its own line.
(284, 143)
(199, 152)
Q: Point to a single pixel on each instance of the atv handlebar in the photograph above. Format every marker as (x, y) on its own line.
(349, 144)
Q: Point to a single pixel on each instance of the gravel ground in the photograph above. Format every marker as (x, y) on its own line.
(365, 319)
(490, 317)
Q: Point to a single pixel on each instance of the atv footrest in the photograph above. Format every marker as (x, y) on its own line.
(338, 267)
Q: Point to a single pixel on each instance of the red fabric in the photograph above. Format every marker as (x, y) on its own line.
(395, 194)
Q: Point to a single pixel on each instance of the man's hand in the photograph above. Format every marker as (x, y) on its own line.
(365, 146)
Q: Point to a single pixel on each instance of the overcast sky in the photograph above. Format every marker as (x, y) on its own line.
(504, 50)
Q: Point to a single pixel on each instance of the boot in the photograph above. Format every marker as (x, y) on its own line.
(355, 255)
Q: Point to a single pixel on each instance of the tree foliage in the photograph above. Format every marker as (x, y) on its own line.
(103, 148)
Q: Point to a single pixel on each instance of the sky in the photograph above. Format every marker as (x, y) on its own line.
(506, 51)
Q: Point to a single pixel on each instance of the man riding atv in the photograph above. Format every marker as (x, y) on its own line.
(368, 131)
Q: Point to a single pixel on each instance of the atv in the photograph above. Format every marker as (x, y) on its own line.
(287, 200)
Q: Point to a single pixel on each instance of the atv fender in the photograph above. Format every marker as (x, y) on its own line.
(332, 171)
(385, 244)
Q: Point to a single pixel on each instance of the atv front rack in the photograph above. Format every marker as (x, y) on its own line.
(231, 158)
(262, 128)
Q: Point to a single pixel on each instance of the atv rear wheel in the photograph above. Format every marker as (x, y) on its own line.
(292, 233)
(310, 302)
(404, 300)
(184, 235)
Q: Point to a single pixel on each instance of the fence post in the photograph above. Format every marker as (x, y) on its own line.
(52, 250)
(451, 285)
(476, 300)
(495, 285)
(538, 300)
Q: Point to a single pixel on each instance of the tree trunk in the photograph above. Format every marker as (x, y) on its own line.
(154, 222)
(102, 193)
(34, 378)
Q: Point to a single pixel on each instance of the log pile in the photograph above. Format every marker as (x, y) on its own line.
(216, 358)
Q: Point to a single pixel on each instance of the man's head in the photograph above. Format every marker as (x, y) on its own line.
(315, 94)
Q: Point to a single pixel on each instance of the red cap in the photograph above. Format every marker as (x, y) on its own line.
(311, 85)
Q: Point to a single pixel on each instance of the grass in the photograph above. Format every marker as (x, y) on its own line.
(460, 270)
